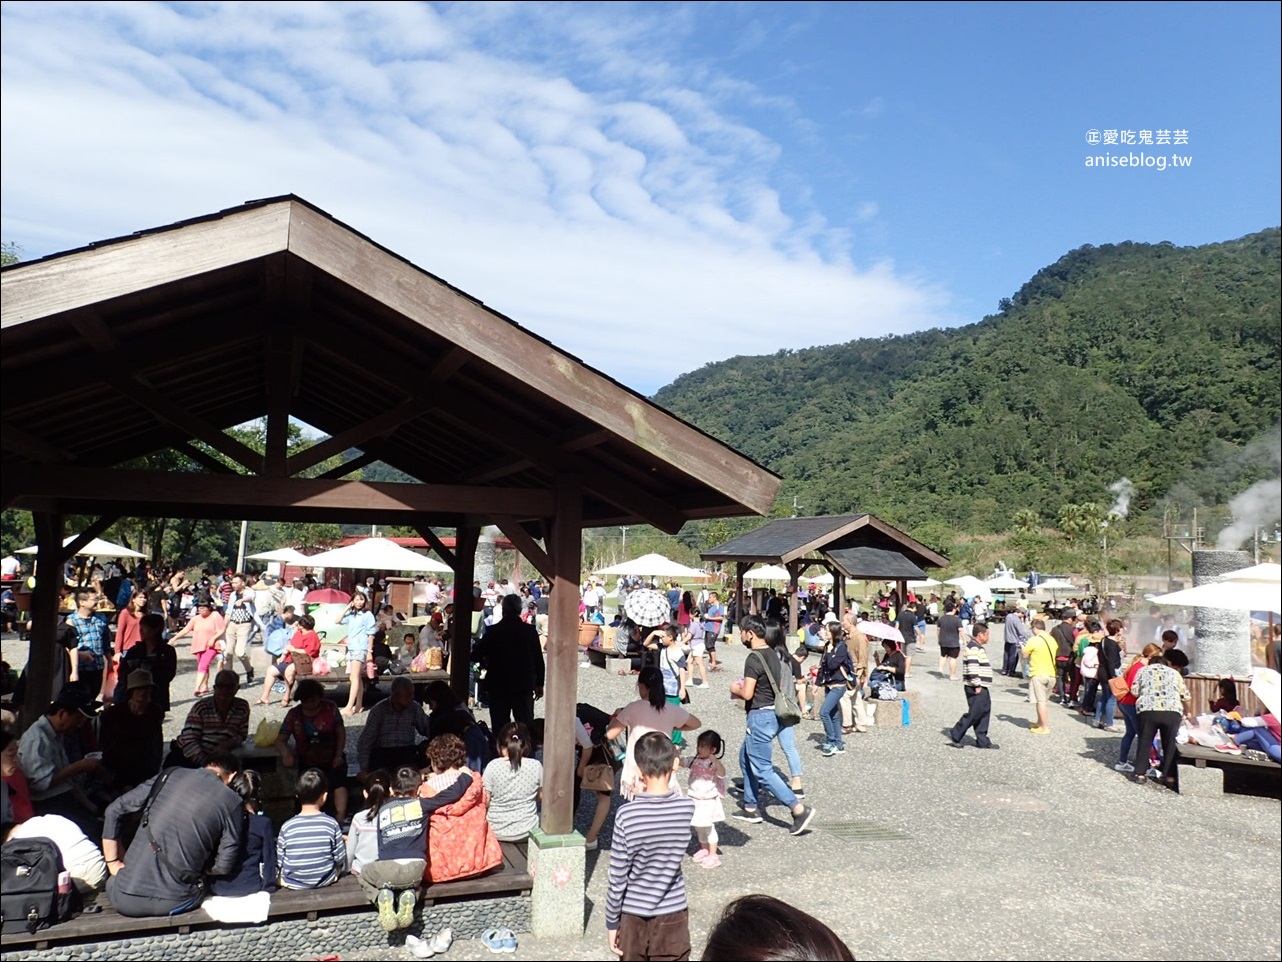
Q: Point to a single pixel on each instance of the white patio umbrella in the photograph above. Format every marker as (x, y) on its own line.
(1057, 584)
(655, 565)
(971, 586)
(1005, 583)
(924, 583)
(1229, 595)
(820, 579)
(377, 554)
(285, 556)
(768, 573)
(96, 548)
(1268, 571)
(1264, 682)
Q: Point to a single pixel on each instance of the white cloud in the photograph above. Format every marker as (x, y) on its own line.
(562, 166)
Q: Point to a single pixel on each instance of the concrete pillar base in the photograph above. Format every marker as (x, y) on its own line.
(558, 864)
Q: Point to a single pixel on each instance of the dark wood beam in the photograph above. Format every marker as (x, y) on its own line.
(162, 488)
(562, 658)
(43, 649)
(18, 441)
(354, 437)
(203, 458)
(90, 325)
(184, 420)
(464, 564)
(347, 467)
(436, 544)
(568, 441)
(525, 544)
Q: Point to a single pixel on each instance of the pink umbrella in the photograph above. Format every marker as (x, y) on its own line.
(327, 596)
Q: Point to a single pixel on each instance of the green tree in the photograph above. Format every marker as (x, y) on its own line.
(1026, 521)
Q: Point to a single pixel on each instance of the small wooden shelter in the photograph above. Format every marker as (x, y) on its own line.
(275, 310)
(857, 546)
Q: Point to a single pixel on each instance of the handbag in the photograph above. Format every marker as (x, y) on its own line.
(1119, 686)
(598, 777)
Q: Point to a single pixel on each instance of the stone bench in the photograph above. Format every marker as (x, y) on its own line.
(299, 922)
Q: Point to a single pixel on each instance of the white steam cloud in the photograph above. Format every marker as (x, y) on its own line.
(1255, 507)
(1123, 491)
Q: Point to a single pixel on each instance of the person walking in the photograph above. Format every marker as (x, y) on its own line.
(835, 676)
(764, 676)
(1040, 651)
(977, 678)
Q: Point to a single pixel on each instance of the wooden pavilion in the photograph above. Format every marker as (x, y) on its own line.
(276, 310)
(857, 546)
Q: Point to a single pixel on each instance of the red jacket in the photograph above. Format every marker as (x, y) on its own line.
(460, 842)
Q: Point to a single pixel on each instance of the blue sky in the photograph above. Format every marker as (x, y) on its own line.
(655, 186)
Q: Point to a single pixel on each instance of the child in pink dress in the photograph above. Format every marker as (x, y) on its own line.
(707, 788)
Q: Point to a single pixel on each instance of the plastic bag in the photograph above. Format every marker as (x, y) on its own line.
(266, 734)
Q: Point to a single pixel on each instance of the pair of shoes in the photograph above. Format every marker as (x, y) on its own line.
(1039, 730)
(592, 846)
(748, 815)
(1124, 767)
(499, 940)
(700, 855)
(426, 948)
(712, 861)
(386, 903)
(405, 903)
(801, 822)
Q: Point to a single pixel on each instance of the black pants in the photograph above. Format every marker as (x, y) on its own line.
(1152, 722)
(979, 705)
(506, 707)
(148, 906)
(1010, 660)
(1064, 679)
(390, 759)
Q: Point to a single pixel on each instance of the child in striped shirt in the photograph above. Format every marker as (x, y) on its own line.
(646, 912)
(310, 849)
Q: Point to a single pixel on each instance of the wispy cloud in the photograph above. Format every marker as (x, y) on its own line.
(566, 166)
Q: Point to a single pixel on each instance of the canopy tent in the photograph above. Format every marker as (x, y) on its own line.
(767, 573)
(376, 554)
(654, 565)
(95, 548)
(1231, 595)
(1006, 583)
(970, 586)
(1057, 584)
(285, 556)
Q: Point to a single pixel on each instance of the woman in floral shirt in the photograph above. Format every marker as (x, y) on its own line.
(1159, 702)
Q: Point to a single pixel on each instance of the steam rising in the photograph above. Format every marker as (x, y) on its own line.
(1255, 507)
(1123, 491)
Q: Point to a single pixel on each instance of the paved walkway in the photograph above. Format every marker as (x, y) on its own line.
(1037, 850)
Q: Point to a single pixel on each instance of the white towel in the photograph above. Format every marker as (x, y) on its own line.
(247, 908)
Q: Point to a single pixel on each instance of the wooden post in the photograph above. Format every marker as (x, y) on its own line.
(465, 539)
(740, 568)
(565, 548)
(794, 576)
(44, 615)
(838, 590)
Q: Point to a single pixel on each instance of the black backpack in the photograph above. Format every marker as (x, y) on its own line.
(29, 897)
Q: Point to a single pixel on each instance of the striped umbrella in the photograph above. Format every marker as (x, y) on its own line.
(647, 607)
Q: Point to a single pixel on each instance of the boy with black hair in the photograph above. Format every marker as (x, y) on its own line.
(646, 912)
(310, 850)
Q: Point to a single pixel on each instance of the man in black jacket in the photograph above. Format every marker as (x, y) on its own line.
(510, 654)
(1065, 657)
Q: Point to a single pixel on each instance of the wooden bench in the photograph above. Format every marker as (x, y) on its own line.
(1242, 776)
(381, 686)
(511, 878)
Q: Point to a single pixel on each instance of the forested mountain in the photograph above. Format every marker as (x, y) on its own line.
(1147, 361)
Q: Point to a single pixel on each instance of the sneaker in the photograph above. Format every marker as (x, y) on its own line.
(702, 684)
(799, 792)
(801, 822)
(443, 940)
(386, 903)
(700, 855)
(712, 861)
(1228, 749)
(278, 688)
(1124, 767)
(419, 948)
(1039, 730)
(499, 940)
(1152, 773)
(748, 815)
(405, 903)
(828, 751)
(837, 750)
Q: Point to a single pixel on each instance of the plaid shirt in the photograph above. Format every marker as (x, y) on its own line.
(91, 637)
(205, 730)
(385, 727)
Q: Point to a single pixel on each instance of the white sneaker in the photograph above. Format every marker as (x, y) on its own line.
(1123, 767)
(419, 948)
(444, 939)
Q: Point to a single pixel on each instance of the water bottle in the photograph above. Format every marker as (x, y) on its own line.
(905, 715)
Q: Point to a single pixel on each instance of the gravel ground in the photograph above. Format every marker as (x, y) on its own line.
(1034, 850)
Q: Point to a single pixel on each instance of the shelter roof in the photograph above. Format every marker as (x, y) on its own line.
(790, 539)
(864, 564)
(142, 344)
